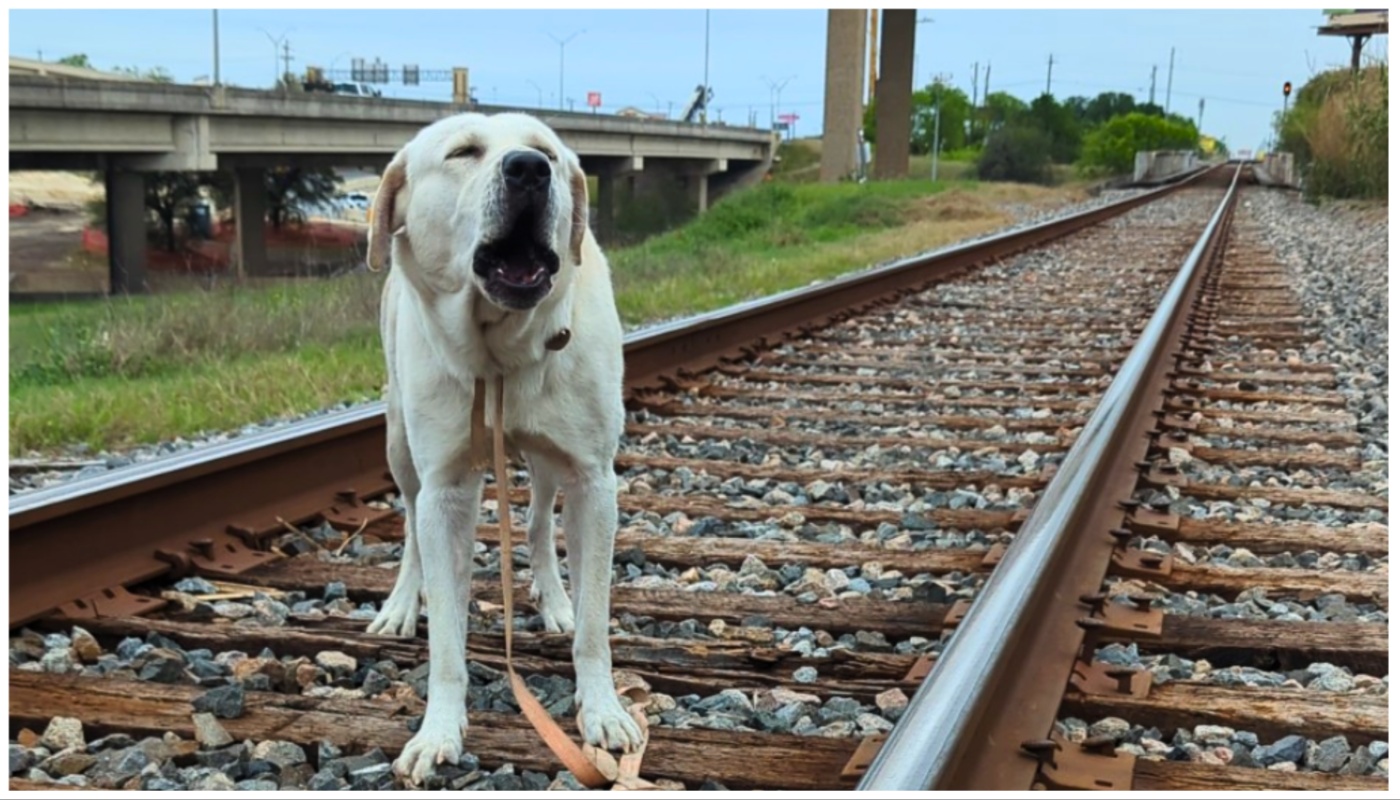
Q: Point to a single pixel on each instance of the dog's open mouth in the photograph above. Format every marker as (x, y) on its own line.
(517, 267)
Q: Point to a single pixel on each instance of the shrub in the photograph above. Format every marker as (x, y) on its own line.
(1017, 153)
(1112, 147)
(1338, 131)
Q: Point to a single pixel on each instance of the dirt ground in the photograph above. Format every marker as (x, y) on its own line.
(46, 255)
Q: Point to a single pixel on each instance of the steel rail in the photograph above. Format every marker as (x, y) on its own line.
(88, 538)
(999, 680)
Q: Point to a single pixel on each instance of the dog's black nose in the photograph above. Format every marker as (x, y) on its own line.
(526, 169)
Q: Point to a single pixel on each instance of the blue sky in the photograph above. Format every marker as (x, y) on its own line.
(1237, 60)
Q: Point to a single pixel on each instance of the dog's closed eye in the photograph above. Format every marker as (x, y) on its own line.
(466, 151)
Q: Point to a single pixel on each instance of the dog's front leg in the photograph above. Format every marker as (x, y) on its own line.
(590, 525)
(446, 529)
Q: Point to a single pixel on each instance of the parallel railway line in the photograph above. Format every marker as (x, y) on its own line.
(817, 491)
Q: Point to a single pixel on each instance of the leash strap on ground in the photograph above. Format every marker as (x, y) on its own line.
(594, 767)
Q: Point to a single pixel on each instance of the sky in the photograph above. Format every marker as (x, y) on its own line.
(1236, 60)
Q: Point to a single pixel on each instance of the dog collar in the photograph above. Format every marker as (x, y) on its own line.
(559, 340)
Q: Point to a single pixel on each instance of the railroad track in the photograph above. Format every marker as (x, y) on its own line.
(878, 518)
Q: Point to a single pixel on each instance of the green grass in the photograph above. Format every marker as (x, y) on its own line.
(770, 238)
(111, 373)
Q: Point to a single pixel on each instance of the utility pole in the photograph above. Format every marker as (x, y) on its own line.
(705, 109)
(1048, 70)
(561, 43)
(987, 83)
(287, 61)
(1152, 90)
(975, 70)
(1171, 67)
(1200, 114)
(216, 47)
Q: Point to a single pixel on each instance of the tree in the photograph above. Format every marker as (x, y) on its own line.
(1058, 123)
(954, 109)
(288, 188)
(168, 193)
(1016, 153)
(76, 60)
(1106, 106)
(1112, 147)
(1003, 109)
(953, 106)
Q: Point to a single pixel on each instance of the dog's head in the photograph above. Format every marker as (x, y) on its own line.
(496, 202)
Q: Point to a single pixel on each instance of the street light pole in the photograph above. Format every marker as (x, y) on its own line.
(775, 90)
(276, 55)
(539, 93)
(705, 109)
(216, 47)
(563, 42)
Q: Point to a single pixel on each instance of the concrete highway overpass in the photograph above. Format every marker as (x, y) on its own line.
(126, 129)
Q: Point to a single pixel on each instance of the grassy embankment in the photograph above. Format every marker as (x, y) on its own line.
(110, 373)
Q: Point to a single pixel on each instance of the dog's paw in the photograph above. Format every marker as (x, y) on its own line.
(606, 724)
(399, 617)
(435, 743)
(554, 606)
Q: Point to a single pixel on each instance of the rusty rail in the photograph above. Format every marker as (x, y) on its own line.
(999, 681)
(75, 547)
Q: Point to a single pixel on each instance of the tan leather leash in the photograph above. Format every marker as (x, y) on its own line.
(594, 767)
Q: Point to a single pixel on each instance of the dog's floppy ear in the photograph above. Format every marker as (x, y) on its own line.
(384, 212)
(578, 186)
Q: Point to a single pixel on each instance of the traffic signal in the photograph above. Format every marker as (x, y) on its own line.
(1287, 88)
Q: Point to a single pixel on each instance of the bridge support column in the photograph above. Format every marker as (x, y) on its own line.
(611, 172)
(845, 68)
(250, 212)
(126, 231)
(894, 94)
(672, 191)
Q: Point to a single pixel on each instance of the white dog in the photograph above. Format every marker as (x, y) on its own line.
(487, 217)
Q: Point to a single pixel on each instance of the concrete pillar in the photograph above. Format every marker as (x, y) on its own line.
(606, 225)
(845, 69)
(250, 212)
(126, 231)
(698, 188)
(610, 172)
(894, 94)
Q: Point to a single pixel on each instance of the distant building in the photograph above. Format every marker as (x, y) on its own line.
(29, 66)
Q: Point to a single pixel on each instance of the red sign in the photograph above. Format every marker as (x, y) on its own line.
(788, 118)
(595, 99)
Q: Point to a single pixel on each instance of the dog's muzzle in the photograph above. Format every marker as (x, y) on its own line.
(517, 263)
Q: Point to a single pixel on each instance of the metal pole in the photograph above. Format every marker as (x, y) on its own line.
(1171, 67)
(705, 108)
(216, 47)
(539, 93)
(937, 127)
(276, 57)
(563, 42)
